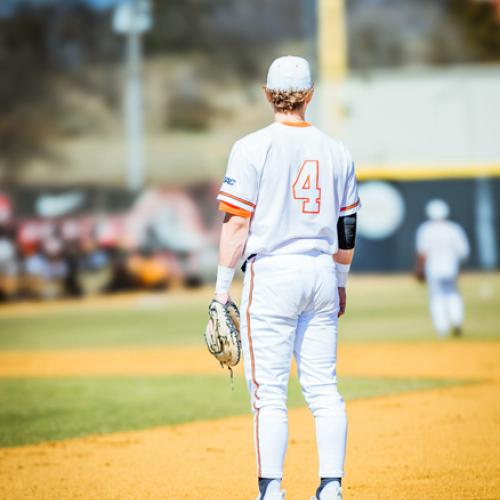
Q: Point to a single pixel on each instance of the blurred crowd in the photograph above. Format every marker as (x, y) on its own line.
(161, 240)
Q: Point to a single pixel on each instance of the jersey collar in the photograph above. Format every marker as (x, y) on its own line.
(295, 124)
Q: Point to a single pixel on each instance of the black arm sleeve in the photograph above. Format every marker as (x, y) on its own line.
(346, 231)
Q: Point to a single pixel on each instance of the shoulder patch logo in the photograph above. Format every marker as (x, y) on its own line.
(229, 180)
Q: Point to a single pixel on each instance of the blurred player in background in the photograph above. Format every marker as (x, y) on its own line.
(290, 198)
(441, 247)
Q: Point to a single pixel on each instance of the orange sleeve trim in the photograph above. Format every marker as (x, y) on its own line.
(354, 205)
(231, 209)
(241, 200)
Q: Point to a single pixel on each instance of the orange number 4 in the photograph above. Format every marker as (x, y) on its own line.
(306, 187)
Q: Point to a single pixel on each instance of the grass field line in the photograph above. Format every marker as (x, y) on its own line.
(449, 359)
(434, 444)
(486, 283)
(144, 299)
(136, 299)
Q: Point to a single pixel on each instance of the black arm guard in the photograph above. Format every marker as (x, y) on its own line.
(346, 231)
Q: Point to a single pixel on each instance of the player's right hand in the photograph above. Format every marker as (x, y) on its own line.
(342, 300)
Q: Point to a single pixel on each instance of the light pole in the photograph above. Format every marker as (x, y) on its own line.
(332, 63)
(131, 19)
(332, 43)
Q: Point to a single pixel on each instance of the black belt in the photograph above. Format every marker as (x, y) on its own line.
(247, 260)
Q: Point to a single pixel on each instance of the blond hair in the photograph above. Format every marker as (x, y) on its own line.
(284, 101)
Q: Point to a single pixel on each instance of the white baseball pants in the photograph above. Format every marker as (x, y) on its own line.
(446, 305)
(289, 306)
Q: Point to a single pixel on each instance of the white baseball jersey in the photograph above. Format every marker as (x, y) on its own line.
(295, 182)
(444, 245)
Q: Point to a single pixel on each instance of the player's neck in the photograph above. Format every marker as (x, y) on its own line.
(295, 117)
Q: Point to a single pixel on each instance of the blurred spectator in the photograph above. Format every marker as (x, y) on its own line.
(46, 271)
(94, 268)
(148, 270)
(9, 270)
(441, 247)
(71, 233)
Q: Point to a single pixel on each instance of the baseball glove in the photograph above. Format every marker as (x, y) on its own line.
(222, 334)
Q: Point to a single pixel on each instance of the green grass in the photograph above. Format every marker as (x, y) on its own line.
(386, 308)
(379, 309)
(41, 409)
(105, 328)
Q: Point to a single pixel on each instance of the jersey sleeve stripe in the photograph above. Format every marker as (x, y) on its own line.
(233, 210)
(349, 207)
(235, 198)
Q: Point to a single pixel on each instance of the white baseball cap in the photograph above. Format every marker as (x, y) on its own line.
(437, 210)
(289, 73)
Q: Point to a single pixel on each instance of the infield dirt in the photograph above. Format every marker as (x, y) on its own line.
(453, 359)
(436, 444)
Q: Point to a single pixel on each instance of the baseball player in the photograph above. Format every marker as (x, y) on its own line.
(290, 199)
(441, 246)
